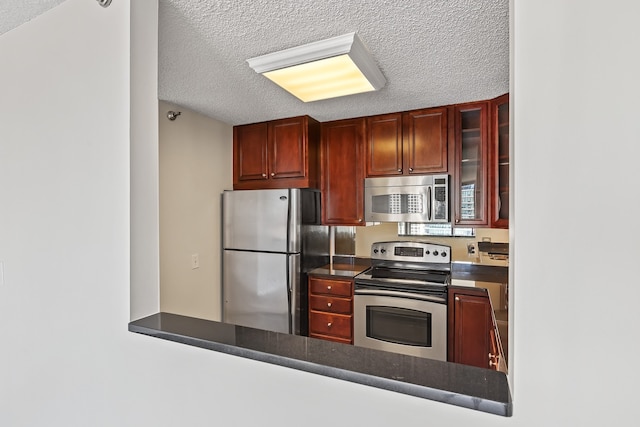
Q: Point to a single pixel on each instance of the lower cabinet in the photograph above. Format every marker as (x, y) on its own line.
(473, 337)
(331, 309)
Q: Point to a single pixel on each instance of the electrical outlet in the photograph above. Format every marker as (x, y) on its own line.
(472, 250)
(195, 261)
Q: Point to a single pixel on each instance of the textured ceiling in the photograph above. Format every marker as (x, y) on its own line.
(431, 52)
(14, 13)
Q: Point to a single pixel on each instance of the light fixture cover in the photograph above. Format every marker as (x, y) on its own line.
(324, 69)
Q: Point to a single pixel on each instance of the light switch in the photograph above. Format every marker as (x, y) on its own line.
(195, 262)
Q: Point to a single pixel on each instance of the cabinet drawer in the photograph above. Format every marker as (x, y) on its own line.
(330, 324)
(330, 287)
(330, 304)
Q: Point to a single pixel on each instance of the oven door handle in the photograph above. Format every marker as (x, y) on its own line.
(385, 293)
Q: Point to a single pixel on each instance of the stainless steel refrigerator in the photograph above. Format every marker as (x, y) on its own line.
(271, 239)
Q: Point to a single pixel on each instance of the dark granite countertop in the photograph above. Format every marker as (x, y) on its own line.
(338, 270)
(451, 383)
(478, 272)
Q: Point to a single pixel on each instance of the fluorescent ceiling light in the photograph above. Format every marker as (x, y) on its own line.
(321, 70)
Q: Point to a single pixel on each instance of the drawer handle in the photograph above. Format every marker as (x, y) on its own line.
(328, 304)
(328, 287)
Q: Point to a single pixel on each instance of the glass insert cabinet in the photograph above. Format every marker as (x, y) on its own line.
(471, 156)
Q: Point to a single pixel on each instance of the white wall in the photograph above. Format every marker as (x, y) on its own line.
(196, 165)
(144, 197)
(66, 358)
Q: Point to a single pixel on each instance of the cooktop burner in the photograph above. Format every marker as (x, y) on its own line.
(433, 276)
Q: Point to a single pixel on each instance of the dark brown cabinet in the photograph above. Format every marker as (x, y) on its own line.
(470, 180)
(413, 142)
(277, 154)
(343, 172)
(499, 162)
(331, 309)
(473, 338)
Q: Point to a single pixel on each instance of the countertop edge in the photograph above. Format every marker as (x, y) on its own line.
(502, 408)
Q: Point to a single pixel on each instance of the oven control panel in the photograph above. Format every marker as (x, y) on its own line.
(411, 251)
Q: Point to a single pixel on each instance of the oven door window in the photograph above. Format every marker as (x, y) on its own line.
(399, 325)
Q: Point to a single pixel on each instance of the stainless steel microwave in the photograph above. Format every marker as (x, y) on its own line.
(416, 198)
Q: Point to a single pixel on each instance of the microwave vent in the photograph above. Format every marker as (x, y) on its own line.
(398, 203)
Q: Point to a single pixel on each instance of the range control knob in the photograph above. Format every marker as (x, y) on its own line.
(427, 252)
(375, 251)
(383, 250)
(435, 253)
(443, 254)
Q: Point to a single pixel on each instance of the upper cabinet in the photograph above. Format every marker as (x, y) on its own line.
(277, 154)
(471, 160)
(343, 172)
(413, 142)
(499, 163)
(468, 141)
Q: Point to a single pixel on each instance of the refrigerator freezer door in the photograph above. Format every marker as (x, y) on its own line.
(256, 290)
(261, 220)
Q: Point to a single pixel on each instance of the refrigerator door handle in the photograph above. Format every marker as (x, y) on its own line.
(294, 294)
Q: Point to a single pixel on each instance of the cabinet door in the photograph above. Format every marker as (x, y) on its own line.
(472, 322)
(342, 172)
(499, 163)
(250, 152)
(471, 162)
(425, 141)
(383, 147)
(287, 148)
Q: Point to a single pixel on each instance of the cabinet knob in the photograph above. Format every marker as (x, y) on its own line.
(273, 174)
(359, 219)
(328, 304)
(457, 220)
(399, 170)
(264, 175)
(329, 325)
(328, 287)
(457, 298)
(410, 169)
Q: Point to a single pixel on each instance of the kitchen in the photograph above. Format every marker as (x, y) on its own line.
(185, 289)
(189, 183)
(556, 383)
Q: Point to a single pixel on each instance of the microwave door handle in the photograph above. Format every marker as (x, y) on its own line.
(429, 203)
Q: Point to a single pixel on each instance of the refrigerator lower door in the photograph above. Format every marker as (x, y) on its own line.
(257, 290)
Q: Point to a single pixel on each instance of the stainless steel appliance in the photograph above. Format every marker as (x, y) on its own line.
(271, 239)
(418, 198)
(400, 303)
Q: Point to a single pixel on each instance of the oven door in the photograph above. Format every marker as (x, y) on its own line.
(401, 323)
